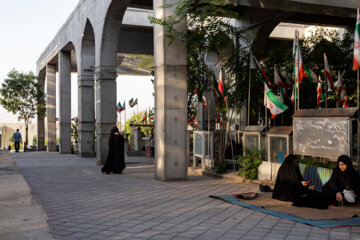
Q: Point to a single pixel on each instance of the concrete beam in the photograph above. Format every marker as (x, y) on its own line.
(65, 101)
(51, 107)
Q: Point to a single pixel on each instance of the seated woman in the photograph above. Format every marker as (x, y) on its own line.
(344, 181)
(290, 186)
(115, 162)
(289, 181)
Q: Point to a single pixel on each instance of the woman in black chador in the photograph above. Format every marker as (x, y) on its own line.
(115, 162)
(289, 181)
(343, 177)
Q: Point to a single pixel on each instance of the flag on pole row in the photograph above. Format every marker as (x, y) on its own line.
(311, 76)
(133, 102)
(356, 60)
(340, 93)
(258, 66)
(298, 62)
(273, 103)
(328, 73)
(319, 96)
(280, 80)
(120, 108)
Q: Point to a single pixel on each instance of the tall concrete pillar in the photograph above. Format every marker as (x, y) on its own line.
(86, 111)
(51, 107)
(41, 122)
(170, 101)
(65, 102)
(105, 89)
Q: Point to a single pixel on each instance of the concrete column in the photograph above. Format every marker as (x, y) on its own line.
(86, 111)
(170, 101)
(105, 92)
(51, 107)
(41, 122)
(65, 102)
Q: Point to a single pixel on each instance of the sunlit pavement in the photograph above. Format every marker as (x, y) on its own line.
(82, 203)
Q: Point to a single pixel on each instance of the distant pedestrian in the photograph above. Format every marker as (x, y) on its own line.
(17, 140)
(115, 162)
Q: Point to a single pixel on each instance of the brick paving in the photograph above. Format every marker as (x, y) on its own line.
(82, 203)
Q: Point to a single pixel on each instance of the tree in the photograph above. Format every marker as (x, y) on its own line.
(136, 119)
(21, 94)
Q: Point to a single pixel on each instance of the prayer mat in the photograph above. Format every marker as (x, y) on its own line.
(334, 217)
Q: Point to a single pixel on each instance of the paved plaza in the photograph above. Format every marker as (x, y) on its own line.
(82, 203)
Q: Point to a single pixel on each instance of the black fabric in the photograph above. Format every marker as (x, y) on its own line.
(311, 199)
(349, 179)
(288, 181)
(115, 161)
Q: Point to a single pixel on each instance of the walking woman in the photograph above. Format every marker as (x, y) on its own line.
(115, 162)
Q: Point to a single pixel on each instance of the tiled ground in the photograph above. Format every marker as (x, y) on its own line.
(82, 203)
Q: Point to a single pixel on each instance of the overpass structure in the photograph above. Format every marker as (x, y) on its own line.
(98, 31)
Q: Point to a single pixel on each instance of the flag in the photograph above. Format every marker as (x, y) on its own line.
(203, 101)
(135, 102)
(144, 117)
(123, 107)
(151, 116)
(328, 73)
(282, 95)
(273, 103)
(340, 93)
(280, 80)
(298, 61)
(213, 80)
(118, 107)
(293, 95)
(356, 60)
(346, 103)
(131, 102)
(191, 120)
(221, 86)
(319, 93)
(258, 66)
(311, 76)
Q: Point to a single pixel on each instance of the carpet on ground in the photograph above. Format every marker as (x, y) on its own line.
(334, 217)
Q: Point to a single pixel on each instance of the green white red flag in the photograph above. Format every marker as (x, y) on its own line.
(356, 60)
(258, 66)
(273, 103)
(319, 95)
(280, 80)
(221, 85)
(311, 76)
(328, 73)
(298, 61)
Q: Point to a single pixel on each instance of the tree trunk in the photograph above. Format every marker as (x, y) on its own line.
(26, 134)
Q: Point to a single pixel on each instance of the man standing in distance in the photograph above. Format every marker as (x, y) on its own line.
(17, 139)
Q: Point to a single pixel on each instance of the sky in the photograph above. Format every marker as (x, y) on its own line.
(28, 26)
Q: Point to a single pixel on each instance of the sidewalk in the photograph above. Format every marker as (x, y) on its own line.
(82, 203)
(20, 216)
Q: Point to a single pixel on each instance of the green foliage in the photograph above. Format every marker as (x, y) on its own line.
(75, 130)
(35, 140)
(207, 32)
(250, 163)
(21, 94)
(136, 119)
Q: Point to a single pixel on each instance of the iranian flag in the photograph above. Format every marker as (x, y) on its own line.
(280, 80)
(118, 107)
(293, 95)
(273, 103)
(311, 76)
(356, 60)
(221, 84)
(298, 61)
(258, 66)
(319, 96)
(340, 93)
(346, 103)
(328, 73)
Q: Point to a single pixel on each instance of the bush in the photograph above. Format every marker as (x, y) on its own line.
(250, 163)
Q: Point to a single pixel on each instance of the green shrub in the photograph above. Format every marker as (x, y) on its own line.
(250, 163)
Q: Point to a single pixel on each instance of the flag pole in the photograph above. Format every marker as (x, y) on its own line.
(358, 129)
(298, 73)
(248, 115)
